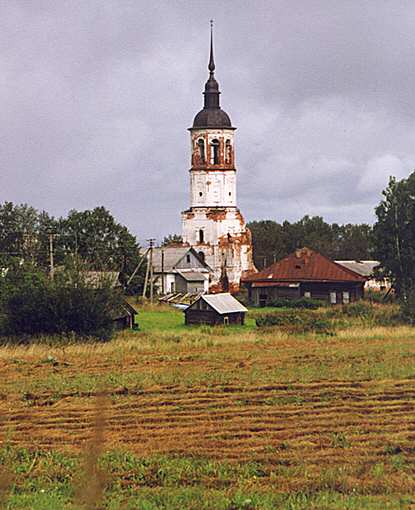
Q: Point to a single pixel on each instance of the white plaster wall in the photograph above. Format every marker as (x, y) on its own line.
(213, 188)
(212, 229)
(216, 255)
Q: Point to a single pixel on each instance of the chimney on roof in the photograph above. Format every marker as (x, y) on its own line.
(304, 254)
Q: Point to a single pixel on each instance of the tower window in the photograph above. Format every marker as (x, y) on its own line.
(200, 194)
(228, 152)
(201, 236)
(201, 144)
(214, 157)
(201, 256)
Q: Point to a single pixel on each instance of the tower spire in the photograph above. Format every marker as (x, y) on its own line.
(211, 65)
(211, 92)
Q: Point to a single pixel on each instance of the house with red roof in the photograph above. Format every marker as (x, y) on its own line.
(305, 273)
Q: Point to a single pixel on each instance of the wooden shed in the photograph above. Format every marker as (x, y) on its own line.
(124, 316)
(215, 309)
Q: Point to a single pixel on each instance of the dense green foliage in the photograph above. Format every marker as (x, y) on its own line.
(394, 234)
(94, 236)
(32, 304)
(307, 303)
(296, 321)
(172, 239)
(273, 241)
(24, 233)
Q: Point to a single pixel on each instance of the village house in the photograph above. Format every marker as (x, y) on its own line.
(180, 269)
(305, 273)
(367, 268)
(215, 309)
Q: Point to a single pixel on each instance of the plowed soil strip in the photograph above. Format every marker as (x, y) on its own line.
(321, 421)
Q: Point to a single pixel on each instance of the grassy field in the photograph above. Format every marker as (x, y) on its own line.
(181, 418)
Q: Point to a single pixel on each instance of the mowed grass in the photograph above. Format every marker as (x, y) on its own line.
(167, 318)
(171, 417)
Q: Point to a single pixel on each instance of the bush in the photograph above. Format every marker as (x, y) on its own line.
(408, 307)
(380, 296)
(32, 304)
(296, 322)
(242, 296)
(358, 309)
(302, 303)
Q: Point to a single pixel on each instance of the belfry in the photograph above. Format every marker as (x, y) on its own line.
(213, 225)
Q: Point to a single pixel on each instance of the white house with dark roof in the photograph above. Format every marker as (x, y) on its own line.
(367, 268)
(180, 269)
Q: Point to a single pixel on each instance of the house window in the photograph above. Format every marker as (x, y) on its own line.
(346, 298)
(307, 294)
(188, 258)
(201, 256)
(172, 289)
(201, 144)
(333, 298)
(201, 236)
(214, 157)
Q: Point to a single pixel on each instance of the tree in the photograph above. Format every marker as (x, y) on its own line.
(172, 239)
(98, 239)
(273, 241)
(269, 243)
(33, 304)
(93, 235)
(353, 242)
(394, 236)
(24, 233)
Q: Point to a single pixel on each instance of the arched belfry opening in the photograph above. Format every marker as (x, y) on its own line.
(214, 152)
(201, 146)
(228, 152)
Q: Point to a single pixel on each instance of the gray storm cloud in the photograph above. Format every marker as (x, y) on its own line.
(96, 98)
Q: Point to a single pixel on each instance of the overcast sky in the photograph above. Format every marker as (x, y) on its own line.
(96, 98)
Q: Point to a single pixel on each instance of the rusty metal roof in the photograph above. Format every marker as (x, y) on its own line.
(306, 265)
(272, 283)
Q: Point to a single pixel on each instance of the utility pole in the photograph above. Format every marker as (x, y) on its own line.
(149, 270)
(151, 241)
(51, 261)
(162, 271)
(137, 268)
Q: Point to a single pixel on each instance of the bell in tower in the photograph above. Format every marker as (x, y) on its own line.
(213, 224)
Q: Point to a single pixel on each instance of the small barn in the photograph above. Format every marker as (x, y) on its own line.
(305, 273)
(215, 309)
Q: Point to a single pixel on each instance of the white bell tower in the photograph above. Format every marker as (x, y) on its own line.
(214, 225)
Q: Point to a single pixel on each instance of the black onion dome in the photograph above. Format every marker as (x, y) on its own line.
(212, 116)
